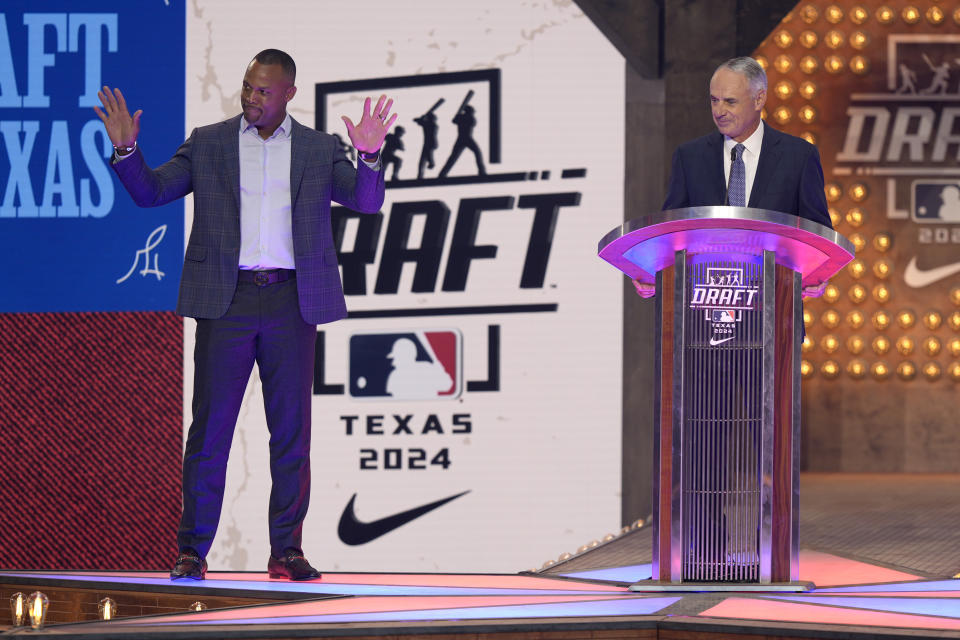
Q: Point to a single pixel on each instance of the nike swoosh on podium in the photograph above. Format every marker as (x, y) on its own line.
(714, 342)
(917, 279)
(354, 532)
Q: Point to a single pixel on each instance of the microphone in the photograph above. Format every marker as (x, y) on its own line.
(733, 158)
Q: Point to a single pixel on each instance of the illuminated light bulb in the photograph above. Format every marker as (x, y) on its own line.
(859, 65)
(608, 537)
(906, 370)
(808, 318)
(806, 369)
(858, 241)
(953, 321)
(593, 544)
(198, 606)
(953, 370)
(855, 344)
(857, 369)
(808, 90)
(956, 15)
(834, 64)
(829, 343)
(637, 524)
(905, 345)
(763, 62)
(783, 63)
(885, 15)
(855, 217)
(625, 530)
(932, 320)
(955, 296)
(548, 564)
(880, 370)
(566, 555)
(830, 369)
(935, 15)
(881, 320)
(809, 137)
(832, 191)
(830, 319)
(783, 38)
(107, 609)
(809, 39)
(784, 89)
(906, 319)
(18, 609)
(807, 345)
(763, 113)
(859, 15)
(782, 114)
(881, 293)
(931, 371)
(831, 293)
(931, 346)
(835, 217)
(582, 548)
(880, 344)
(807, 114)
(857, 293)
(809, 64)
(858, 192)
(833, 14)
(856, 268)
(882, 242)
(911, 15)
(834, 39)
(859, 40)
(37, 605)
(883, 268)
(855, 319)
(953, 346)
(809, 13)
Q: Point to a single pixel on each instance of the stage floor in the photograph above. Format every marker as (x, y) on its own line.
(881, 549)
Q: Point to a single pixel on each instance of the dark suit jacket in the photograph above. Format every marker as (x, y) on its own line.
(208, 164)
(789, 176)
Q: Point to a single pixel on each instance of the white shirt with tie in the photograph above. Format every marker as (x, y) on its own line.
(751, 158)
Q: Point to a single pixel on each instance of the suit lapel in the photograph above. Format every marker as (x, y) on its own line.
(714, 159)
(230, 144)
(298, 161)
(766, 168)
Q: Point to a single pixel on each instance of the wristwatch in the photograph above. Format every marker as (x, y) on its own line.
(368, 157)
(125, 151)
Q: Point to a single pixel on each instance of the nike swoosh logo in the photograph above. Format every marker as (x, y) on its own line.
(714, 342)
(354, 532)
(917, 279)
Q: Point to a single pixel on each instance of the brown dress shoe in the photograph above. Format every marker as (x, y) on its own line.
(292, 566)
(189, 565)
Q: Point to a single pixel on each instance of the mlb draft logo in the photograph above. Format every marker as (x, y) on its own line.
(723, 297)
(936, 201)
(411, 365)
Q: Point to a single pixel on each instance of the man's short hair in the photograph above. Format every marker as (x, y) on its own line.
(750, 69)
(282, 58)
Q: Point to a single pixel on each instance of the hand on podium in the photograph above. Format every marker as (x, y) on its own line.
(644, 289)
(814, 291)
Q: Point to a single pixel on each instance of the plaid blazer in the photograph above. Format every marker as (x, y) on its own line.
(208, 165)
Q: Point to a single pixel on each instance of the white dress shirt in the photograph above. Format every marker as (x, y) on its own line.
(751, 158)
(266, 228)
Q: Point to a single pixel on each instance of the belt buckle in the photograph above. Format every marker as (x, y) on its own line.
(261, 279)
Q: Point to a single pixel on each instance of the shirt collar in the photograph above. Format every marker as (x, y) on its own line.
(283, 131)
(752, 144)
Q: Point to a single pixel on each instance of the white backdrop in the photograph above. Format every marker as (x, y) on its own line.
(541, 460)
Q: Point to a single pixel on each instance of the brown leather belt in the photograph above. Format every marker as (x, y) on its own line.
(267, 276)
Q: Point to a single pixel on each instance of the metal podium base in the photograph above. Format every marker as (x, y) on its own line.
(651, 586)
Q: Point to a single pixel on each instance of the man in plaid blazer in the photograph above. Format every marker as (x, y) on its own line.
(260, 271)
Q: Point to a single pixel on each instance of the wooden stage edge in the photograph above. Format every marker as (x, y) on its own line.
(72, 604)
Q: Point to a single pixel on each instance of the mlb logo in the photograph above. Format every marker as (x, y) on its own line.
(410, 365)
(723, 315)
(936, 201)
(724, 277)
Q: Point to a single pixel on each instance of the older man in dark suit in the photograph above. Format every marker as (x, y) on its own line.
(746, 162)
(260, 271)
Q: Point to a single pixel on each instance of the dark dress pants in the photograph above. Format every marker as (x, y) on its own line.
(263, 325)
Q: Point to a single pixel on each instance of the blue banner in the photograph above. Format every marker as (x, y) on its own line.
(71, 238)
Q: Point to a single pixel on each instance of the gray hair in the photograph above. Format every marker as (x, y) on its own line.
(750, 69)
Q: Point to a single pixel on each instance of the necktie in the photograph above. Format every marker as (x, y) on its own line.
(738, 179)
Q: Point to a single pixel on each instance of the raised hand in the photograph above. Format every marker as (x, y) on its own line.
(644, 289)
(368, 135)
(121, 127)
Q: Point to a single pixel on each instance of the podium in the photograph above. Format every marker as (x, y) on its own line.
(727, 404)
